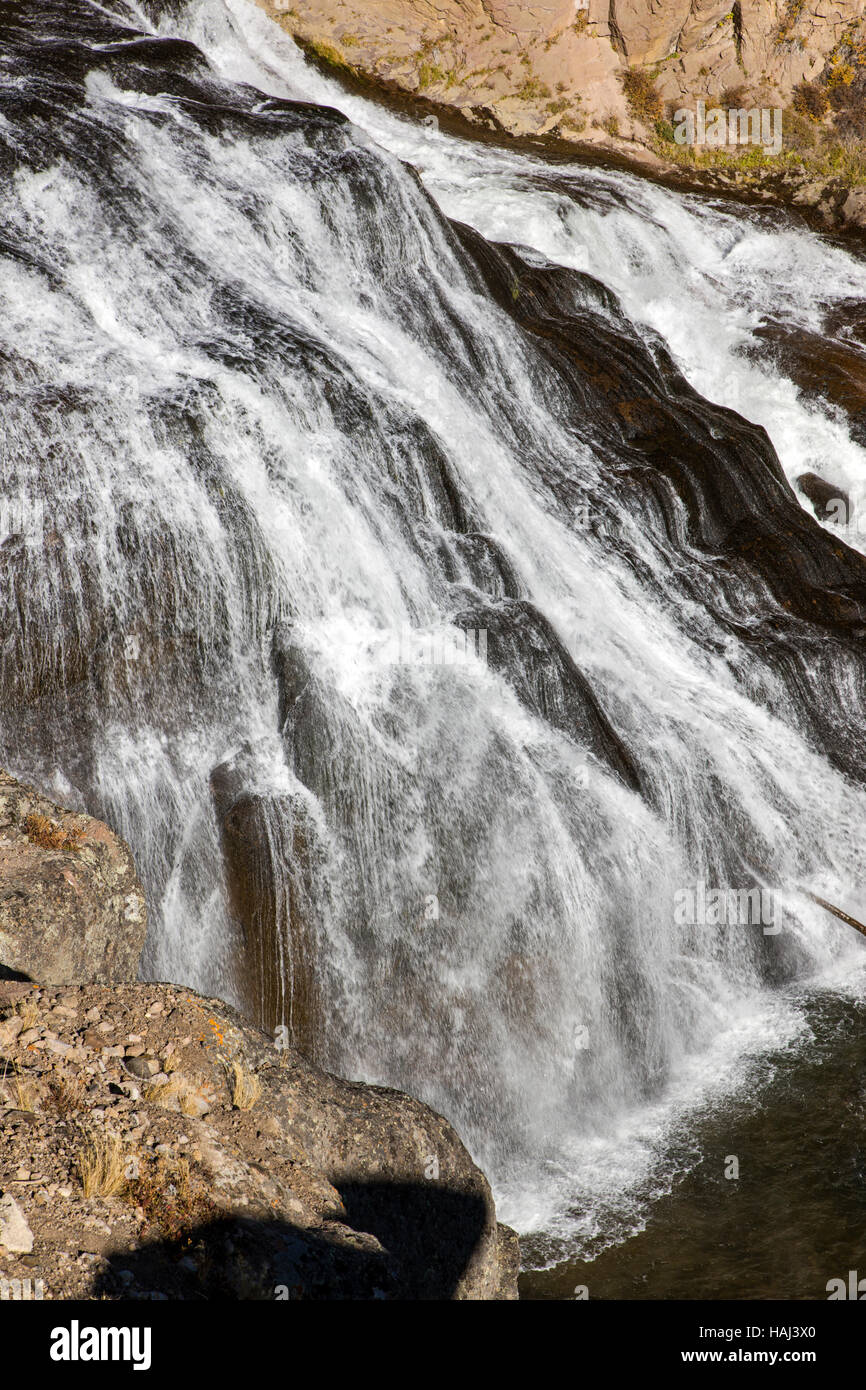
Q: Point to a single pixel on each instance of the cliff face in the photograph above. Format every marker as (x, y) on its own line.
(556, 68)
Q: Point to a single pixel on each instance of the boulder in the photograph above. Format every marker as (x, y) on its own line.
(240, 1171)
(830, 503)
(71, 906)
(15, 1234)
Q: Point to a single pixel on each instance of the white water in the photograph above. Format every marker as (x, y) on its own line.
(694, 271)
(317, 508)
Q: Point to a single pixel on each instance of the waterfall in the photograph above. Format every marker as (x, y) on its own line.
(416, 605)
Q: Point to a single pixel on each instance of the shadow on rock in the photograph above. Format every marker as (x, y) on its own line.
(405, 1241)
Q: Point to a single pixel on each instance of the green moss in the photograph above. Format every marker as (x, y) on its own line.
(533, 90)
(328, 55)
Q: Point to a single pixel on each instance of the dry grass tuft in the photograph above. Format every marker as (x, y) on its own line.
(166, 1091)
(26, 1094)
(100, 1164)
(244, 1086)
(49, 835)
(64, 1097)
(28, 1010)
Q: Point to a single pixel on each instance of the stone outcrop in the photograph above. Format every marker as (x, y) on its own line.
(71, 906)
(153, 1145)
(268, 855)
(556, 70)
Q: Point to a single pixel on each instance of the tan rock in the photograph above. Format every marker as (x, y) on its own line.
(71, 906)
(15, 1234)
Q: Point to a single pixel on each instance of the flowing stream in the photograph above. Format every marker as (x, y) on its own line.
(402, 551)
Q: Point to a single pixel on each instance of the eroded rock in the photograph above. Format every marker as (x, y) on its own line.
(71, 905)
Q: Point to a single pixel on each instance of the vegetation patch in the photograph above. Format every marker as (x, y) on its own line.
(327, 54)
(643, 99)
(165, 1192)
(533, 90)
(49, 835)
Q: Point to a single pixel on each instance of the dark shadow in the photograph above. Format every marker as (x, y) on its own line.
(397, 1241)
(431, 1230)
(18, 976)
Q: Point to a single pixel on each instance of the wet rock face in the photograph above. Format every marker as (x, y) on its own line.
(236, 1170)
(829, 502)
(269, 867)
(71, 906)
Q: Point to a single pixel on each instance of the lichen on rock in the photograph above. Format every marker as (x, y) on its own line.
(71, 905)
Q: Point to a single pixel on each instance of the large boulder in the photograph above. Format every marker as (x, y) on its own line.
(190, 1155)
(71, 906)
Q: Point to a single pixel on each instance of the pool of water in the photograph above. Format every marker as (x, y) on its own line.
(794, 1217)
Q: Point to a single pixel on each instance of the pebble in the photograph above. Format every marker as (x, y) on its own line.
(142, 1065)
(9, 1031)
(15, 1234)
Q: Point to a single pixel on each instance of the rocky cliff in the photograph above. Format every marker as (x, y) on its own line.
(609, 72)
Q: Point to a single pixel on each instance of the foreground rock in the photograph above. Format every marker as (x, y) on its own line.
(153, 1145)
(71, 906)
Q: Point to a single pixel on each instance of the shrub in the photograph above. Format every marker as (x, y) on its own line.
(644, 101)
(811, 99)
(49, 835)
(164, 1189)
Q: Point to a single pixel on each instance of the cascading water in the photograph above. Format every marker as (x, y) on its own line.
(293, 434)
